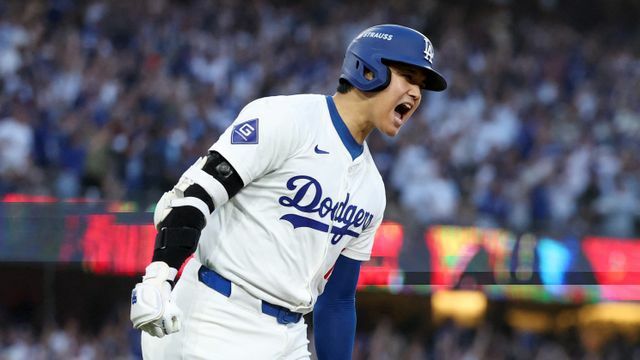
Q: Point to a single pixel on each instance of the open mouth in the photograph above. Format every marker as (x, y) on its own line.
(403, 109)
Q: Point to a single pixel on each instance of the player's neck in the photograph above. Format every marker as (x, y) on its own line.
(354, 111)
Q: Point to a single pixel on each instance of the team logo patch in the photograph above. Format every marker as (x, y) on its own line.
(245, 133)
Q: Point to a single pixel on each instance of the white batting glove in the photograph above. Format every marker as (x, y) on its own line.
(151, 308)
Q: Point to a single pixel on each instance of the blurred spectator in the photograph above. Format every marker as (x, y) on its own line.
(16, 143)
(493, 206)
(620, 209)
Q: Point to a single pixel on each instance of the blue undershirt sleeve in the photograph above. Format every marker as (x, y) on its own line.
(334, 314)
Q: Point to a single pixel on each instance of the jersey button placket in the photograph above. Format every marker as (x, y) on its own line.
(342, 193)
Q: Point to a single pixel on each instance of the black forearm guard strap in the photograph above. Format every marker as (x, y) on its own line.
(174, 245)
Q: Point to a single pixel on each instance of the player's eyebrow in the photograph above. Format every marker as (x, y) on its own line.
(412, 74)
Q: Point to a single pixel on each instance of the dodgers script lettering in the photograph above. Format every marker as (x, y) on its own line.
(308, 199)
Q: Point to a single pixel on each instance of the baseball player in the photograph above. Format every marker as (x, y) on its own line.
(281, 212)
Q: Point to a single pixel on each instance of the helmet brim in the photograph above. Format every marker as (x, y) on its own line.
(435, 81)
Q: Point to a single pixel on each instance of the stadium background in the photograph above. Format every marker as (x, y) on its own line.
(513, 219)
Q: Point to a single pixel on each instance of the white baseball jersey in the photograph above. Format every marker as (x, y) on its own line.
(311, 193)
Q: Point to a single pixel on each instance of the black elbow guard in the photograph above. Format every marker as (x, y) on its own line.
(174, 245)
(178, 236)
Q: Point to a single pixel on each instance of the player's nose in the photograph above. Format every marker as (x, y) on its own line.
(415, 93)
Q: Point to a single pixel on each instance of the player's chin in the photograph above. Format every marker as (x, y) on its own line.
(391, 130)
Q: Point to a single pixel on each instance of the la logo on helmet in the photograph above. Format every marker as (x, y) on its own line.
(428, 50)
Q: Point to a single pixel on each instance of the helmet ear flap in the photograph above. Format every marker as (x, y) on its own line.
(364, 71)
(381, 77)
(385, 73)
(378, 79)
(365, 74)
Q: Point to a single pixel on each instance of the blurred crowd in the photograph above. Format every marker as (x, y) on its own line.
(116, 340)
(488, 341)
(113, 341)
(537, 131)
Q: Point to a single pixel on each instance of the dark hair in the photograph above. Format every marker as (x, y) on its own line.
(344, 86)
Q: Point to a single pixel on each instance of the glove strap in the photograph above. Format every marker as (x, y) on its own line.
(160, 271)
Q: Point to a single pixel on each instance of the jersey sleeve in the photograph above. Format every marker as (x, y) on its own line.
(360, 248)
(260, 139)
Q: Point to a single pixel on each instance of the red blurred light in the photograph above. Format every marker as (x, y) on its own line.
(383, 265)
(25, 198)
(616, 266)
(116, 248)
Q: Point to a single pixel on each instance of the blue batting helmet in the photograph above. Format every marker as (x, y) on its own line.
(389, 43)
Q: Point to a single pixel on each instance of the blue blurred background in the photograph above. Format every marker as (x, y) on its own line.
(513, 194)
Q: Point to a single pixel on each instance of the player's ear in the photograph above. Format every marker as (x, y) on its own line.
(368, 74)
